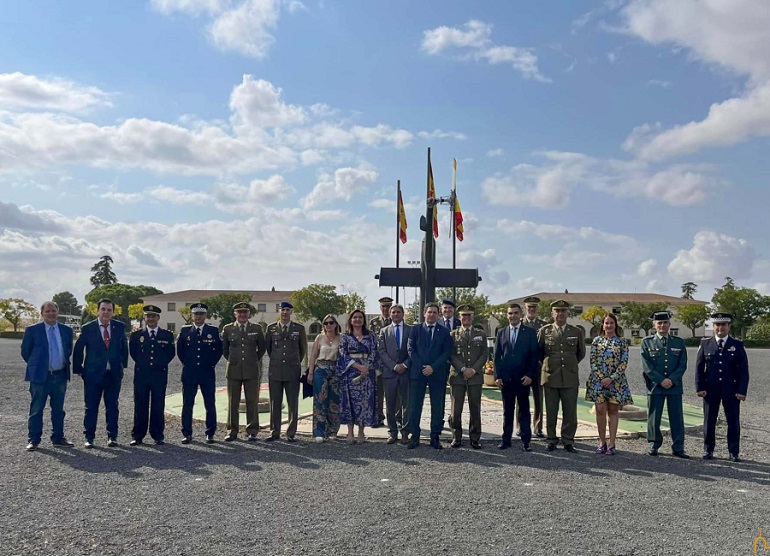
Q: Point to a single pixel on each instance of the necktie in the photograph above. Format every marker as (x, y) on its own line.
(106, 337)
(285, 329)
(430, 329)
(448, 323)
(54, 355)
(513, 336)
(468, 334)
(558, 332)
(721, 344)
(198, 332)
(398, 336)
(152, 335)
(665, 343)
(243, 329)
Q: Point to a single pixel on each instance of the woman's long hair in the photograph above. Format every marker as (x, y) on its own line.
(349, 326)
(337, 328)
(618, 329)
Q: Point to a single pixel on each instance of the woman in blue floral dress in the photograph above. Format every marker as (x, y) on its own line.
(356, 368)
(607, 384)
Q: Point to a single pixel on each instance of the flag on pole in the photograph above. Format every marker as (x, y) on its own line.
(458, 220)
(432, 195)
(401, 218)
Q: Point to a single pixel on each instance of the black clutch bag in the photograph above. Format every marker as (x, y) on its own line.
(307, 389)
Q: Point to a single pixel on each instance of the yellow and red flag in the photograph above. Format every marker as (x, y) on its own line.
(432, 195)
(458, 220)
(401, 218)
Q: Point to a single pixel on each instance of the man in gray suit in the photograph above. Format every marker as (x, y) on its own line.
(391, 346)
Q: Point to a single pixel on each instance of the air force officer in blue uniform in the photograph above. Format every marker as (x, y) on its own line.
(721, 377)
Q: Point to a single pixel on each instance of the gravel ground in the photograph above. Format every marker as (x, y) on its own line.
(372, 499)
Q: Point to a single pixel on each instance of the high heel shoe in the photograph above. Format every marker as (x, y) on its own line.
(351, 439)
(602, 449)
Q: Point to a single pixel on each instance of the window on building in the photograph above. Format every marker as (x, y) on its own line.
(261, 307)
(675, 332)
(171, 307)
(577, 310)
(635, 333)
(616, 310)
(277, 307)
(315, 328)
(171, 327)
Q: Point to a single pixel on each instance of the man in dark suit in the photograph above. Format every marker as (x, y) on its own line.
(199, 348)
(531, 320)
(429, 348)
(516, 366)
(392, 348)
(152, 349)
(46, 348)
(722, 376)
(101, 354)
(448, 319)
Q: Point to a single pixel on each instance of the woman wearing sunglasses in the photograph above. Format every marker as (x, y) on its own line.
(326, 384)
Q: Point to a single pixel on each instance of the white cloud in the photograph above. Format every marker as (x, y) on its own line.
(532, 284)
(495, 153)
(343, 184)
(256, 105)
(712, 257)
(659, 83)
(441, 134)
(311, 157)
(193, 7)
(247, 28)
(14, 217)
(646, 267)
(122, 198)
(177, 196)
(21, 91)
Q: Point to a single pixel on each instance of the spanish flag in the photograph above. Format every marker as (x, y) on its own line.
(401, 218)
(432, 195)
(458, 220)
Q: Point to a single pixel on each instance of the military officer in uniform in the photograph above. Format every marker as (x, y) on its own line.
(469, 355)
(562, 348)
(531, 320)
(287, 347)
(664, 361)
(722, 376)
(152, 349)
(199, 348)
(375, 326)
(243, 345)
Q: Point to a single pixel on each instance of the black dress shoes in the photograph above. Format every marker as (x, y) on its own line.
(135, 442)
(680, 454)
(652, 451)
(456, 444)
(413, 443)
(32, 446)
(539, 434)
(570, 448)
(392, 439)
(230, 437)
(290, 439)
(89, 443)
(111, 442)
(526, 448)
(209, 439)
(159, 442)
(436, 444)
(252, 438)
(186, 439)
(735, 458)
(551, 447)
(475, 444)
(63, 442)
(708, 454)
(271, 438)
(504, 445)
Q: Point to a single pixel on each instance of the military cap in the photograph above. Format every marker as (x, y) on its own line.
(286, 305)
(385, 300)
(560, 304)
(151, 310)
(531, 301)
(199, 308)
(242, 306)
(466, 310)
(661, 315)
(720, 318)
(448, 302)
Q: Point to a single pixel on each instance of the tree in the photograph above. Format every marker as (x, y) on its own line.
(221, 306)
(746, 305)
(68, 303)
(544, 310)
(760, 331)
(123, 295)
(316, 301)
(689, 289)
(593, 315)
(468, 296)
(353, 301)
(103, 274)
(412, 315)
(639, 315)
(692, 316)
(13, 309)
(186, 314)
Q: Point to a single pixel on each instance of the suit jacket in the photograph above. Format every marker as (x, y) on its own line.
(243, 350)
(660, 363)
(424, 351)
(199, 354)
(91, 356)
(561, 357)
(455, 323)
(34, 350)
(286, 350)
(390, 353)
(723, 374)
(517, 361)
(471, 352)
(151, 357)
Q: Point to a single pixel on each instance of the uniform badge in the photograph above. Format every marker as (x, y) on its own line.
(208, 336)
(732, 348)
(141, 339)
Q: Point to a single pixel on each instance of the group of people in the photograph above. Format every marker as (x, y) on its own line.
(377, 375)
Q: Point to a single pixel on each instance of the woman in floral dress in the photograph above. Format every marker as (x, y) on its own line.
(323, 376)
(356, 367)
(607, 384)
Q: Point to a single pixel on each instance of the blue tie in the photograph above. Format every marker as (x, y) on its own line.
(54, 355)
(398, 336)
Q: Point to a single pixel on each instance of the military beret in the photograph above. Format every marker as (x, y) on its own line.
(661, 315)
(720, 318)
(466, 310)
(286, 305)
(448, 302)
(151, 310)
(385, 300)
(532, 300)
(242, 306)
(199, 308)
(560, 304)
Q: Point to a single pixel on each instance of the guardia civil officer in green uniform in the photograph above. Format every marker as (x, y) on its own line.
(375, 326)
(664, 361)
(531, 320)
(466, 376)
(243, 345)
(287, 347)
(562, 347)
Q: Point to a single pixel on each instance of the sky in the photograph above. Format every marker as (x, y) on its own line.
(615, 146)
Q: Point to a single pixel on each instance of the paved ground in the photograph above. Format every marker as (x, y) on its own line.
(373, 499)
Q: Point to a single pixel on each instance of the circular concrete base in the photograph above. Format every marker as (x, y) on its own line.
(628, 412)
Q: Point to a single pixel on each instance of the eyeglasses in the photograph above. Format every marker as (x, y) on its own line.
(329, 323)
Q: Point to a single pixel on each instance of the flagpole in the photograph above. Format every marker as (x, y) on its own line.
(398, 227)
(454, 222)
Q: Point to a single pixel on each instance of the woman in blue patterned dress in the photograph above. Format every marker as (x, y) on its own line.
(607, 384)
(323, 376)
(356, 369)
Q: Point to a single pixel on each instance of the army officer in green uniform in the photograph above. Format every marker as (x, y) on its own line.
(243, 345)
(664, 361)
(562, 348)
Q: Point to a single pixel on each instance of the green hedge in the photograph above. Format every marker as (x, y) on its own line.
(13, 335)
(756, 343)
(692, 342)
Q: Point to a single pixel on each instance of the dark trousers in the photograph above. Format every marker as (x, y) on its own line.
(149, 398)
(105, 385)
(567, 397)
(457, 397)
(732, 414)
(537, 417)
(189, 391)
(437, 389)
(516, 397)
(380, 400)
(277, 388)
(55, 388)
(675, 420)
(397, 403)
(251, 392)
